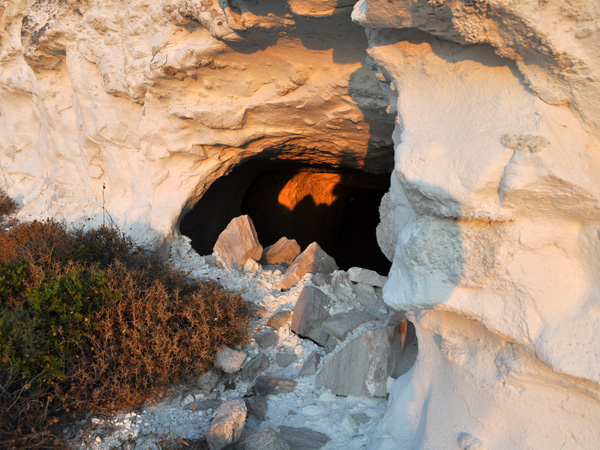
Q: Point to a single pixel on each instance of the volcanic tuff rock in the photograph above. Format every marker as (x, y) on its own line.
(230, 360)
(310, 311)
(283, 251)
(363, 366)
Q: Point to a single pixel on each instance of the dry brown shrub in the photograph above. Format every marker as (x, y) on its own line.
(37, 242)
(155, 329)
(150, 337)
(25, 415)
(7, 205)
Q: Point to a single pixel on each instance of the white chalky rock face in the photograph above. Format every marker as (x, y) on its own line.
(138, 106)
(127, 111)
(492, 219)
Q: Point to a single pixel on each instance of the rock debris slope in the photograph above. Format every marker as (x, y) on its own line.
(128, 111)
(278, 390)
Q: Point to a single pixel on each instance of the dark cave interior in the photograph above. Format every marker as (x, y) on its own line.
(336, 207)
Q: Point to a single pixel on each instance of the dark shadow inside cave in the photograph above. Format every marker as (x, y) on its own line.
(336, 207)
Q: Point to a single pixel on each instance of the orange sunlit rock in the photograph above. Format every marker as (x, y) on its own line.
(318, 185)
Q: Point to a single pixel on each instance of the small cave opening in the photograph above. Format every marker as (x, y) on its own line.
(336, 207)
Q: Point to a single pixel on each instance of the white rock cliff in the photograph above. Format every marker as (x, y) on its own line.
(129, 111)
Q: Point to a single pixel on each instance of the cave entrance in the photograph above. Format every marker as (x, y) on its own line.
(336, 207)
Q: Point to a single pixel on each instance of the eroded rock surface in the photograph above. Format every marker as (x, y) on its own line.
(127, 112)
(489, 215)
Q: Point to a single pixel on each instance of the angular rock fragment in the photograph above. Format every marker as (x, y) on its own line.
(310, 311)
(238, 243)
(257, 365)
(230, 360)
(366, 276)
(258, 406)
(251, 265)
(227, 425)
(208, 381)
(311, 365)
(360, 418)
(284, 251)
(267, 339)
(273, 386)
(266, 439)
(303, 438)
(284, 359)
(321, 279)
(313, 260)
(279, 319)
(363, 366)
(342, 324)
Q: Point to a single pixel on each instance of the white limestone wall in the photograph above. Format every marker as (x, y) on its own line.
(493, 220)
(155, 99)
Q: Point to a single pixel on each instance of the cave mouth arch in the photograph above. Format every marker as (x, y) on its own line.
(336, 207)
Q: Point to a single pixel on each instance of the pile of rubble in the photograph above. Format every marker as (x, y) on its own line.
(315, 372)
(363, 342)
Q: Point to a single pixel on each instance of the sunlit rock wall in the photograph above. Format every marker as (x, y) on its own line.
(127, 111)
(493, 220)
(135, 107)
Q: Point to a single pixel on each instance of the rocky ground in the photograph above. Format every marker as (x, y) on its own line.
(279, 391)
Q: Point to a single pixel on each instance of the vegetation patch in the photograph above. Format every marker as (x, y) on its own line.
(91, 322)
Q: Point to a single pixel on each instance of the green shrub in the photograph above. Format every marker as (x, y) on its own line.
(91, 322)
(49, 319)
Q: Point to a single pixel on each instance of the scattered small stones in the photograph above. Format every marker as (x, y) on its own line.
(230, 360)
(366, 276)
(312, 260)
(204, 405)
(266, 439)
(266, 385)
(284, 251)
(227, 425)
(267, 339)
(311, 364)
(238, 243)
(303, 438)
(257, 365)
(280, 319)
(309, 313)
